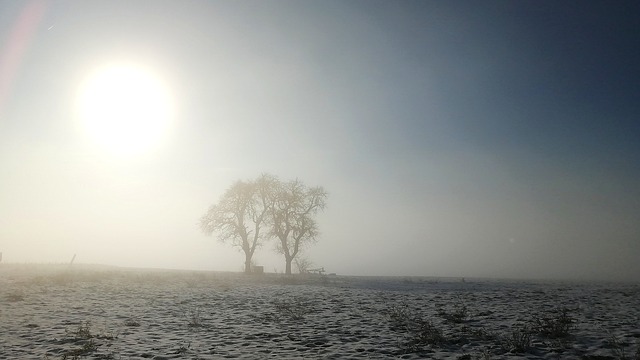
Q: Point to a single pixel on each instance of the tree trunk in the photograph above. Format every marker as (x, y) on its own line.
(247, 264)
(288, 268)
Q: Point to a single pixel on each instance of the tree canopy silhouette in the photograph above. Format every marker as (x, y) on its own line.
(292, 217)
(240, 214)
(250, 212)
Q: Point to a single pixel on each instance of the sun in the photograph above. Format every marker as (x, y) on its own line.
(124, 109)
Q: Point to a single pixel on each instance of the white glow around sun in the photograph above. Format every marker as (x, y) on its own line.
(124, 109)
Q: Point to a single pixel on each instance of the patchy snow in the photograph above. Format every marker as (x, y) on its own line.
(113, 313)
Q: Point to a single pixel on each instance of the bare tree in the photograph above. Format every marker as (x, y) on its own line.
(292, 217)
(303, 264)
(240, 214)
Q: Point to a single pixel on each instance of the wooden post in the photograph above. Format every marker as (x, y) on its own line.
(72, 259)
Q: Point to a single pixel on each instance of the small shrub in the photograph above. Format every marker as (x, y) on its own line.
(83, 331)
(107, 335)
(420, 332)
(194, 319)
(457, 315)
(87, 348)
(484, 355)
(427, 334)
(400, 317)
(519, 341)
(295, 309)
(183, 349)
(556, 325)
(620, 349)
(131, 322)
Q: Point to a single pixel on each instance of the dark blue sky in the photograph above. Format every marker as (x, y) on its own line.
(555, 79)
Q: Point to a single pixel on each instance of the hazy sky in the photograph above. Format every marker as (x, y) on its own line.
(455, 138)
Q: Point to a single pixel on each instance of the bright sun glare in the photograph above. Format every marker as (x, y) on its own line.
(125, 109)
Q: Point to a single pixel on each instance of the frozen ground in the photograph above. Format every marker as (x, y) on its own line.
(56, 312)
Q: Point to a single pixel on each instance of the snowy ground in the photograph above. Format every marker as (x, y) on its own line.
(58, 312)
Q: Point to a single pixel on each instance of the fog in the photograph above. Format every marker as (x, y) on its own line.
(454, 138)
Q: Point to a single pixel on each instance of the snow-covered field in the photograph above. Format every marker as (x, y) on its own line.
(58, 312)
